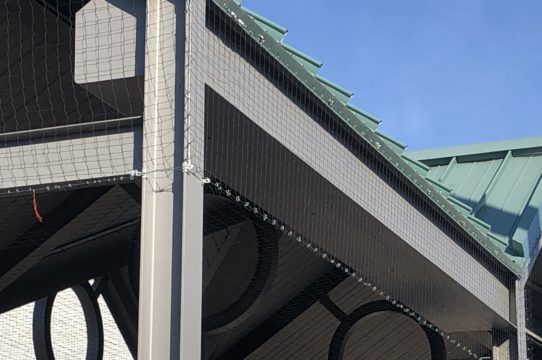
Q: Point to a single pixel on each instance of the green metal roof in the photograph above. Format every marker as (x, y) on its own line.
(305, 69)
(530, 145)
(498, 187)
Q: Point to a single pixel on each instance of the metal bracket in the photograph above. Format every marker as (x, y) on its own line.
(187, 166)
(138, 173)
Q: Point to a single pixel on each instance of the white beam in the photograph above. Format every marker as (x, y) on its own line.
(74, 160)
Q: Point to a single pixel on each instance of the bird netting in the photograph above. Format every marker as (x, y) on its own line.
(347, 229)
(71, 101)
(319, 242)
(70, 92)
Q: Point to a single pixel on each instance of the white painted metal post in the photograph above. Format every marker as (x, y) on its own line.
(515, 347)
(521, 325)
(172, 203)
(502, 351)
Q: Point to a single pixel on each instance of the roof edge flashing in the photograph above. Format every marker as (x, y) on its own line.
(265, 20)
(395, 142)
(302, 55)
(364, 114)
(336, 87)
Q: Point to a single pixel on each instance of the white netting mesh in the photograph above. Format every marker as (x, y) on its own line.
(71, 106)
(70, 91)
(270, 139)
(308, 221)
(68, 332)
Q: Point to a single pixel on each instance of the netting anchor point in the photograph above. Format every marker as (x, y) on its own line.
(187, 166)
(138, 173)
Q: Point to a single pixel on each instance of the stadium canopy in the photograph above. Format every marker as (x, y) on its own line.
(225, 199)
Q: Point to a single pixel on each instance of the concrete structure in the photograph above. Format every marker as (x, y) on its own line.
(227, 202)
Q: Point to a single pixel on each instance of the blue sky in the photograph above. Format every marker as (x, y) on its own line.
(437, 73)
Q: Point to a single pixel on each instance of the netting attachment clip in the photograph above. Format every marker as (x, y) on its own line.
(138, 173)
(187, 166)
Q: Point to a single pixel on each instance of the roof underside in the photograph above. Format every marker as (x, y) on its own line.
(485, 192)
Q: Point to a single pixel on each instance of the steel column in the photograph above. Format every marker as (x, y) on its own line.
(172, 200)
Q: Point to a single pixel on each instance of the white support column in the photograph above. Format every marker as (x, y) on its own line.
(191, 269)
(515, 347)
(172, 202)
(502, 351)
(521, 325)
